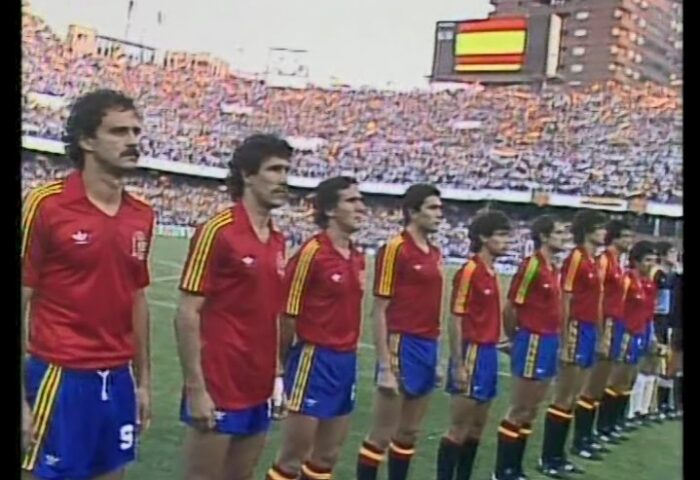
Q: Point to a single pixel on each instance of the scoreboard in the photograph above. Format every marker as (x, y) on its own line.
(501, 49)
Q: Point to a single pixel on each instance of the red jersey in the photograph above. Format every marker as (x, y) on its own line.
(613, 276)
(636, 304)
(536, 294)
(241, 279)
(581, 278)
(412, 279)
(476, 298)
(85, 268)
(324, 293)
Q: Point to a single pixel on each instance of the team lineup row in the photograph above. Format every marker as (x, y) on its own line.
(260, 337)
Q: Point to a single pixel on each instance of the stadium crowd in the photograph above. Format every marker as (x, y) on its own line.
(187, 202)
(606, 140)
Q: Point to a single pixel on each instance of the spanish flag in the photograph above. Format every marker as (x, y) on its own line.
(493, 45)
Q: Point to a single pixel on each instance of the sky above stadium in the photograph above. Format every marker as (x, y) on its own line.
(382, 43)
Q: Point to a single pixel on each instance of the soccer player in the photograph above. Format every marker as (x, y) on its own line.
(85, 250)
(324, 289)
(408, 297)
(582, 299)
(475, 330)
(532, 322)
(665, 278)
(618, 239)
(629, 330)
(226, 323)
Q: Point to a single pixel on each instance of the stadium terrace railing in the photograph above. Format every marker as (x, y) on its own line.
(551, 199)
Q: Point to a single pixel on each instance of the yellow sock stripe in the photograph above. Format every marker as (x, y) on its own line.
(302, 377)
(200, 252)
(31, 205)
(300, 274)
(315, 476)
(611, 392)
(463, 286)
(472, 353)
(401, 451)
(533, 346)
(558, 413)
(586, 405)
(365, 452)
(274, 475)
(525, 431)
(508, 433)
(394, 348)
(388, 269)
(42, 413)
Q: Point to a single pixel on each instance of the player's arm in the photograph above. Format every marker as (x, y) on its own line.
(297, 275)
(189, 344)
(603, 267)
(142, 329)
(517, 294)
(461, 290)
(386, 265)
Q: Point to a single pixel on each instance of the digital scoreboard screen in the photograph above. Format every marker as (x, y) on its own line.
(514, 48)
(496, 45)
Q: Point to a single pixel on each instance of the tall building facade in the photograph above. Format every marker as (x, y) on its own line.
(625, 40)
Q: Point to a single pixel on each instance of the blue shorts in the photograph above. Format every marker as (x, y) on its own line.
(626, 346)
(534, 356)
(481, 362)
(244, 422)
(646, 338)
(320, 382)
(580, 344)
(86, 420)
(414, 361)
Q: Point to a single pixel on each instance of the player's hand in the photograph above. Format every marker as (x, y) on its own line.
(27, 425)
(386, 380)
(279, 400)
(202, 410)
(143, 400)
(459, 374)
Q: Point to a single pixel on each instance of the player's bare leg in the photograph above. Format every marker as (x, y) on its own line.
(387, 415)
(298, 436)
(402, 447)
(593, 393)
(456, 443)
(330, 436)
(205, 454)
(242, 457)
(470, 445)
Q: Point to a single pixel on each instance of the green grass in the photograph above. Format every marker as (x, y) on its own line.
(651, 454)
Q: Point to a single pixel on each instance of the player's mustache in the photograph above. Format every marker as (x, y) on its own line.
(133, 152)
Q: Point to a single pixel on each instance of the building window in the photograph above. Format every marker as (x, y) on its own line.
(640, 40)
(642, 23)
(628, 71)
(617, 13)
(575, 83)
(583, 15)
(615, 32)
(633, 36)
(614, 49)
(630, 54)
(612, 67)
(638, 58)
(580, 32)
(576, 68)
(644, 4)
(578, 51)
(636, 75)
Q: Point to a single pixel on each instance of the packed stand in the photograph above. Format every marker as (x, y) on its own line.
(607, 140)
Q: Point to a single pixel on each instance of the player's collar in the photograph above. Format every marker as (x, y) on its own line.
(240, 213)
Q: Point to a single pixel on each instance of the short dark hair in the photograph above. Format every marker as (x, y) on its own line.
(640, 250)
(414, 198)
(543, 225)
(486, 224)
(664, 247)
(585, 222)
(614, 230)
(327, 195)
(86, 116)
(250, 155)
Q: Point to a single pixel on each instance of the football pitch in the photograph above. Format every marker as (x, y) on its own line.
(654, 453)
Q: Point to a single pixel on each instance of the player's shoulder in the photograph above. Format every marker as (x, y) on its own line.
(43, 195)
(219, 220)
(139, 202)
(468, 268)
(393, 243)
(310, 248)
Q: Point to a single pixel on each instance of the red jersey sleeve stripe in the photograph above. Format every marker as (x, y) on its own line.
(31, 209)
(571, 271)
(387, 273)
(193, 274)
(301, 273)
(459, 306)
(533, 266)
